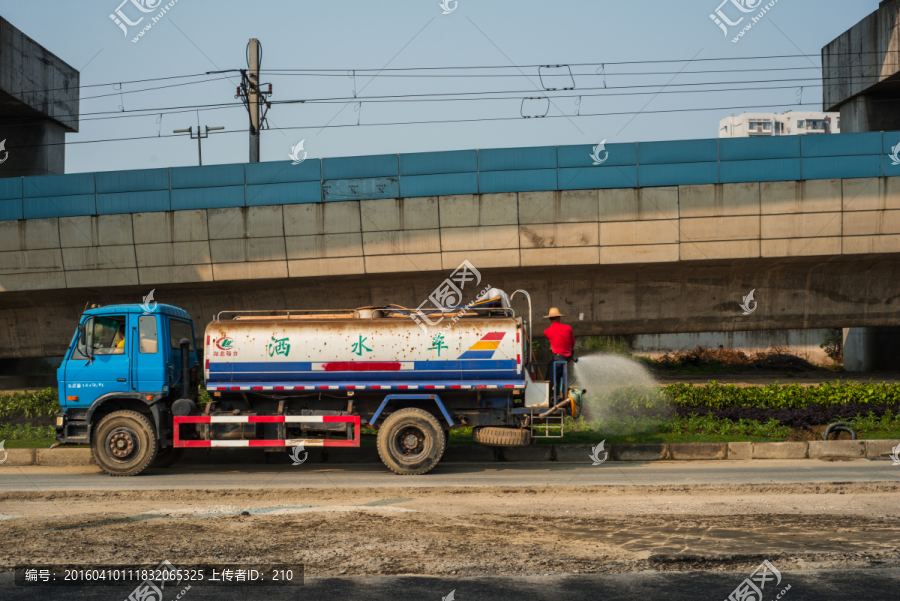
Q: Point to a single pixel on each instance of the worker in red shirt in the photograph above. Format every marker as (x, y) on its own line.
(562, 345)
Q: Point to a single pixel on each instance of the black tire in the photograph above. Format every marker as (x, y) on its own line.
(502, 437)
(411, 442)
(167, 457)
(124, 443)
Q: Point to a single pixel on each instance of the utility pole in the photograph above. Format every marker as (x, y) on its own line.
(199, 137)
(253, 60)
(253, 95)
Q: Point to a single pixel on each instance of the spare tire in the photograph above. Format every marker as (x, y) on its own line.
(502, 437)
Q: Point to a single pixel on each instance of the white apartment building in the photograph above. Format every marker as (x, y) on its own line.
(788, 123)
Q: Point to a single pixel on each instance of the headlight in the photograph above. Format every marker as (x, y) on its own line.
(59, 421)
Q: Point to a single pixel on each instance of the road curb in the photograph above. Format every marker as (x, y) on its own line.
(560, 453)
(780, 450)
(837, 449)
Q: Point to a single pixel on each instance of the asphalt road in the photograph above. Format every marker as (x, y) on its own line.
(807, 585)
(452, 475)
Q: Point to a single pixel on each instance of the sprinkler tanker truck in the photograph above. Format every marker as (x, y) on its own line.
(130, 382)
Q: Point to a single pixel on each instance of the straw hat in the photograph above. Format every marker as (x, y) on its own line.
(554, 312)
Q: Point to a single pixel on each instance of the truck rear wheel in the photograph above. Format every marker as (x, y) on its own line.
(124, 443)
(502, 437)
(411, 442)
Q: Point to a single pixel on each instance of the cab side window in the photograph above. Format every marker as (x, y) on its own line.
(109, 335)
(180, 329)
(148, 334)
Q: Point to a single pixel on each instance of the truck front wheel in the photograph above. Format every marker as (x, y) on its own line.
(411, 442)
(124, 443)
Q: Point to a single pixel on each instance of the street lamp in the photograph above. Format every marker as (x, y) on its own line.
(200, 135)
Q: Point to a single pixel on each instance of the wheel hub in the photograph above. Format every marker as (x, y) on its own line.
(121, 443)
(411, 441)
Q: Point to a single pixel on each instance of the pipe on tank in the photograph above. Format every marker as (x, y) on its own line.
(527, 296)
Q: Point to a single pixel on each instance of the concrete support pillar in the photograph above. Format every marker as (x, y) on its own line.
(36, 148)
(872, 349)
(870, 112)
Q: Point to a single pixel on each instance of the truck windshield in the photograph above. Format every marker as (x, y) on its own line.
(109, 335)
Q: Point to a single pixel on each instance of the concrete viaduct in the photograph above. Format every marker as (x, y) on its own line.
(821, 253)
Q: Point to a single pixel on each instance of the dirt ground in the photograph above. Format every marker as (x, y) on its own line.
(464, 531)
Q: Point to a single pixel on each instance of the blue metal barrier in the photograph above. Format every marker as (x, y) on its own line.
(544, 168)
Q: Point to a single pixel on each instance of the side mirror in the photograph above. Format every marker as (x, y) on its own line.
(86, 331)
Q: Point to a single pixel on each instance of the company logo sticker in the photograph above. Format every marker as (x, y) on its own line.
(484, 348)
(225, 344)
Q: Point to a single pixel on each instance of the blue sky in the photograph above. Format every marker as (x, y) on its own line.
(197, 36)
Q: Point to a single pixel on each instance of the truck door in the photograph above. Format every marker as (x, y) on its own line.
(150, 362)
(108, 369)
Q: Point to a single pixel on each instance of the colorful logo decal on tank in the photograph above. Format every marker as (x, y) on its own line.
(225, 344)
(484, 348)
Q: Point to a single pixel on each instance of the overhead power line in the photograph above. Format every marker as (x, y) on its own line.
(592, 64)
(448, 96)
(112, 83)
(366, 70)
(434, 122)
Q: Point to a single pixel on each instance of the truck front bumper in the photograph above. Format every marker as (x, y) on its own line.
(72, 428)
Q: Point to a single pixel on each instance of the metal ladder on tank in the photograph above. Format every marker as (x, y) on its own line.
(551, 426)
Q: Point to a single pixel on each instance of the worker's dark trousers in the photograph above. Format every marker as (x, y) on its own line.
(557, 383)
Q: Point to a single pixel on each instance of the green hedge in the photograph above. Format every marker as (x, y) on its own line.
(650, 401)
(777, 396)
(43, 403)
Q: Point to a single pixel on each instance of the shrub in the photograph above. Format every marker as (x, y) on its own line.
(43, 403)
(776, 396)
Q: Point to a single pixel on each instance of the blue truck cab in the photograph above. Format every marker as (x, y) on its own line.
(121, 374)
